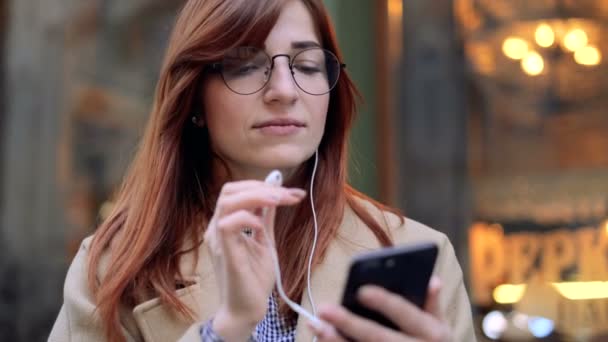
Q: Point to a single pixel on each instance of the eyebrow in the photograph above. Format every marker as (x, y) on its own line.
(304, 44)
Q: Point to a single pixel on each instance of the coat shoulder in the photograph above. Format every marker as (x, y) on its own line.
(401, 228)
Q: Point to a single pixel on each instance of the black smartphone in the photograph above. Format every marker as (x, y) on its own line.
(405, 270)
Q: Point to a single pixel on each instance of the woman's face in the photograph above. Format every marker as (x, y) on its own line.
(278, 127)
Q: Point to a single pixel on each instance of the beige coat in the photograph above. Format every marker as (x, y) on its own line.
(150, 321)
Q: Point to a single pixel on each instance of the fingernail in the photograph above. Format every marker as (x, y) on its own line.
(435, 282)
(297, 192)
(366, 293)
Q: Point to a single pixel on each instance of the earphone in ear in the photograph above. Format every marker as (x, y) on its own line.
(197, 121)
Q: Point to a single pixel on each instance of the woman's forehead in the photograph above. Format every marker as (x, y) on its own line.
(294, 29)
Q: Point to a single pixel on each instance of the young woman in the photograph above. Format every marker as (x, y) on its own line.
(248, 87)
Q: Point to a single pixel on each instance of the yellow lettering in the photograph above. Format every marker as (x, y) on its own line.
(587, 254)
(559, 252)
(603, 254)
(497, 259)
(524, 249)
(593, 249)
(487, 260)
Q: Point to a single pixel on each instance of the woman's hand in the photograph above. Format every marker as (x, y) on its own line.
(243, 261)
(414, 324)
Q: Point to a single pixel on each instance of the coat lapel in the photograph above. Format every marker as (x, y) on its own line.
(201, 295)
(329, 278)
(210, 300)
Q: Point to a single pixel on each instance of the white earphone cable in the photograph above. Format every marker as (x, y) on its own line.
(295, 306)
(314, 241)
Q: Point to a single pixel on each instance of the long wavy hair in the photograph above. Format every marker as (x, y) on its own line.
(168, 196)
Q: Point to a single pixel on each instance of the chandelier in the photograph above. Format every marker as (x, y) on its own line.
(539, 58)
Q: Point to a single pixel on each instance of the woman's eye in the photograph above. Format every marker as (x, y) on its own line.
(240, 70)
(246, 69)
(307, 68)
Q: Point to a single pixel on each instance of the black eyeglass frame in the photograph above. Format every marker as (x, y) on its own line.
(217, 67)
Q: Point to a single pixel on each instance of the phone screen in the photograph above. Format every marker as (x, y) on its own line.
(405, 270)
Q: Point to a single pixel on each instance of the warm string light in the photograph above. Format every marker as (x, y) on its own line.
(515, 48)
(588, 55)
(582, 290)
(575, 290)
(544, 35)
(509, 293)
(533, 63)
(575, 40)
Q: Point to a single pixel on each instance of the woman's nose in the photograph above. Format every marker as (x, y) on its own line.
(281, 84)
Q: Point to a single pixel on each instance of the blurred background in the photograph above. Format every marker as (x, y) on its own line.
(485, 119)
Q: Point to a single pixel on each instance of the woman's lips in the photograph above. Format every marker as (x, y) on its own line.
(280, 127)
(279, 130)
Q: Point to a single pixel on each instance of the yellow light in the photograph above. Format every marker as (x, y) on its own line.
(575, 39)
(509, 293)
(582, 290)
(515, 48)
(395, 8)
(544, 35)
(588, 55)
(533, 64)
(606, 227)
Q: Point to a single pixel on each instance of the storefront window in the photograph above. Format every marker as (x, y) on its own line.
(538, 165)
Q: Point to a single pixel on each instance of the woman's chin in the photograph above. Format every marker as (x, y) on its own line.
(283, 159)
(282, 163)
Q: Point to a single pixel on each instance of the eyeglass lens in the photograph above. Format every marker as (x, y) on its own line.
(246, 70)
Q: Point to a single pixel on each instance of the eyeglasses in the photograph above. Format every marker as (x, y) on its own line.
(246, 70)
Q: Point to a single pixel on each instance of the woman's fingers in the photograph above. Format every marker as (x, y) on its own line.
(235, 223)
(432, 299)
(325, 332)
(268, 221)
(229, 228)
(356, 327)
(235, 187)
(232, 241)
(258, 197)
(253, 197)
(240, 186)
(394, 307)
(408, 317)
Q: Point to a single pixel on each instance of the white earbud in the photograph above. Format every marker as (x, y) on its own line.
(274, 178)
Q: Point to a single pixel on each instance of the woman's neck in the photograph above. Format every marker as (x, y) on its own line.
(225, 171)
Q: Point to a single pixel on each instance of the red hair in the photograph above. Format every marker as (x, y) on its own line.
(167, 195)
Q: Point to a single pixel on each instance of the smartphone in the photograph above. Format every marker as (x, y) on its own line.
(405, 270)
